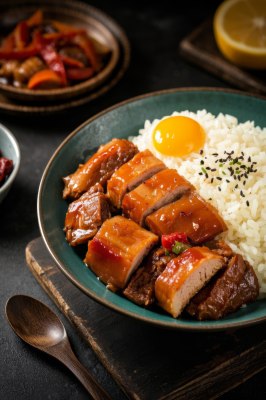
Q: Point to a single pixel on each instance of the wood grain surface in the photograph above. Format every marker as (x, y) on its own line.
(149, 362)
(200, 48)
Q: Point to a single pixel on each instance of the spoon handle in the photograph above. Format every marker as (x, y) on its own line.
(68, 358)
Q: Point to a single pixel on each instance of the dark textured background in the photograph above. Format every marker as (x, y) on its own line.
(154, 32)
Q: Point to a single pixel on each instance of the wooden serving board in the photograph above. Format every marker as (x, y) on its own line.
(200, 47)
(149, 362)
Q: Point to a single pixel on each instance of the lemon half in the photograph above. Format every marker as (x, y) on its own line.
(240, 32)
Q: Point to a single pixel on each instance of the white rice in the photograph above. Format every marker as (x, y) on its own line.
(246, 224)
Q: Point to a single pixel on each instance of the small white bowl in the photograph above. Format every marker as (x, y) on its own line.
(10, 149)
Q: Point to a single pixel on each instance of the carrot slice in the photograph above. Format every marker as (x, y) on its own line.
(35, 19)
(45, 79)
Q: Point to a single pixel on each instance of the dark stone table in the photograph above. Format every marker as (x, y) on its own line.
(154, 32)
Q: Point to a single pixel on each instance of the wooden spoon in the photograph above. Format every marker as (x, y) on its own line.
(39, 326)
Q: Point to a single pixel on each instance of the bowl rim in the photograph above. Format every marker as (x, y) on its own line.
(95, 80)
(15, 145)
(89, 293)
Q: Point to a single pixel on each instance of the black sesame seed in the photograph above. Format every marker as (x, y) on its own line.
(244, 182)
(208, 168)
(254, 162)
(216, 161)
(215, 154)
(217, 177)
(227, 181)
(214, 169)
(236, 186)
(232, 172)
(200, 173)
(201, 152)
(247, 203)
(242, 166)
(246, 175)
(235, 177)
(207, 176)
(212, 180)
(219, 188)
(239, 178)
(202, 162)
(255, 170)
(242, 153)
(210, 198)
(249, 159)
(241, 193)
(232, 152)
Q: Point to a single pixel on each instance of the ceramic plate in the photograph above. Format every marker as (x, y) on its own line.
(101, 26)
(121, 121)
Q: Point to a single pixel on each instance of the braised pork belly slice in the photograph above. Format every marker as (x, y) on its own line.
(140, 289)
(99, 168)
(233, 286)
(142, 167)
(86, 215)
(184, 277)
(191, 215)
(161, 189)
(117, 250)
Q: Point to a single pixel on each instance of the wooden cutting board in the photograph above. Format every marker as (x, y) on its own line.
(200, 47)
(149, 362)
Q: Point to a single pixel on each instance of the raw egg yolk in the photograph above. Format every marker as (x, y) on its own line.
(178, 136)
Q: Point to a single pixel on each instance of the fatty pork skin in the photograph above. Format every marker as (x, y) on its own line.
(160, 190)
(191, 215)
(99, 168)
(117, 250)
(132, 174)
(184, 276)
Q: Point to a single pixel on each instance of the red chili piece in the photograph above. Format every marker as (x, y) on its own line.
(6, 167)
(168, 241)
(51, 58)
(71, 62)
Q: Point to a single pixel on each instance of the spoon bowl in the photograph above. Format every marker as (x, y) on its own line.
(34, 322)
(40, 327)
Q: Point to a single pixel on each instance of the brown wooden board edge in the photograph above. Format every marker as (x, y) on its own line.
(53, 293)
(217, 65)
(210, 385)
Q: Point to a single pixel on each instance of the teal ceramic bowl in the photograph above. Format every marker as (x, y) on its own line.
(121, 121)
(10, 149)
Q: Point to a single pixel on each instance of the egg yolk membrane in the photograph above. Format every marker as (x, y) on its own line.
(178, 136)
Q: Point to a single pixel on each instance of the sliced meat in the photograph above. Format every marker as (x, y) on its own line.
(27, 69)
(233, 286)
(141, 287)
(184, 277)
(161, 189)
(117, 250)
(99, 168)
(143, 166)
(86, 215)
(191, 215)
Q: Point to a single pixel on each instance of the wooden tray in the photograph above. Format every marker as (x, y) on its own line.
(149, 362)
(200, 47)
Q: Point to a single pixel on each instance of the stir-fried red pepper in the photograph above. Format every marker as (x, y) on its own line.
(51, 58)
(85, 43)
(79, 74)
(168, 241)
(71, 62)
(22, 35)
(6, 167)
